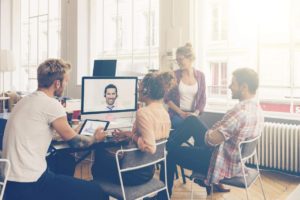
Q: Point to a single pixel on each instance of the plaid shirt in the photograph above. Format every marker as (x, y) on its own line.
(244, 121)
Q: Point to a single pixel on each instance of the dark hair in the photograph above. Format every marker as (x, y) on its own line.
(168, 79)
(153, 86)
(51, 70)
(110, 86)
(247, 76)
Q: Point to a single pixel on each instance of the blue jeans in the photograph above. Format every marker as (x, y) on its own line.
(51, 186)
(195, 158)
(176, 120)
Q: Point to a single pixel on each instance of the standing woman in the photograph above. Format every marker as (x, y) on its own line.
(189, 96)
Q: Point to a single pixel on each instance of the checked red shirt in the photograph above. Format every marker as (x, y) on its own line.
(244, 121)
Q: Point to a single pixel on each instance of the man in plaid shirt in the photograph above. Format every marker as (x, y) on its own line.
(215, 152)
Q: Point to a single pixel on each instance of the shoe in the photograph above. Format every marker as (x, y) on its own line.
(217, 187)
(220, 188)
(202, 184)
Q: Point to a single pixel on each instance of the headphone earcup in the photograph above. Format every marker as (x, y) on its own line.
(145, 92)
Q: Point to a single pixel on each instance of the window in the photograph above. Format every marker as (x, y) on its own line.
(219, 23)
(263, 35)
(218, 76)
(40, 36)
(126, 30)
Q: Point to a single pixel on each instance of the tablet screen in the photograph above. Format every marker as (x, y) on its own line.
(89, 126)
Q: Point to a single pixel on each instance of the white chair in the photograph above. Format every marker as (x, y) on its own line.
(247, 149)
(4, 171)
(134, 159)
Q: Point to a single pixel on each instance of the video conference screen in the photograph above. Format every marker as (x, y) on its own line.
(108, 94)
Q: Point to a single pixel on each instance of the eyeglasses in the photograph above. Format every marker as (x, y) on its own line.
(178, 59)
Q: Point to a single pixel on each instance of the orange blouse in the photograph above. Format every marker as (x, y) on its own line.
(152, 123)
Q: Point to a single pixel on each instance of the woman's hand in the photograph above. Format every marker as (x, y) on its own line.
(99, 134)
(196, 113)
(184, 114)
(121, 134)
(141, 144)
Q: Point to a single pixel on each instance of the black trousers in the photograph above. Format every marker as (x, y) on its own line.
(52, 186)
(195, 158)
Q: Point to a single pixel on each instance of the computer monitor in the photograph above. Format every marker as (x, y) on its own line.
(108, 94)
(104, 67)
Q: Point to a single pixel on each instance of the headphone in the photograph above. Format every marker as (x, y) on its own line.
(145, 92)
(146, 87)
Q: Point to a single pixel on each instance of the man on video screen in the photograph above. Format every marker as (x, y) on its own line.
(110, 94)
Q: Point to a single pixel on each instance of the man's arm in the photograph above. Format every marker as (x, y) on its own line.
(81, 141)
(214, 138)
(223, 130)
(74, 140)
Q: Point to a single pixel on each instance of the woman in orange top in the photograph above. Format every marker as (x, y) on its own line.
(152, 123)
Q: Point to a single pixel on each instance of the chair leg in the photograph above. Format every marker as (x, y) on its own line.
(192, 189)
(247, 193)
(212, 191)
(176, 174)
(157, 166)
(262, 188)
(167, 191)
(183, 175)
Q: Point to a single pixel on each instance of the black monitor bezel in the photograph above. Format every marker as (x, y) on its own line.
(108, 77)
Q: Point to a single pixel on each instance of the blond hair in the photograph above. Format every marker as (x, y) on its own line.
(51, 70)
(186, 51)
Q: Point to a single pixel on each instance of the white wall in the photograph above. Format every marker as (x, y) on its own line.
(9, 36)
(175, 27)
(69, 42)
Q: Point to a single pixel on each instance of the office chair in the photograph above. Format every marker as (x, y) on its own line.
(247, 149)
(4, 171)
(134, 159)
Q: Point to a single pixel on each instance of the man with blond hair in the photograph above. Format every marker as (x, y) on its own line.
(27, 137)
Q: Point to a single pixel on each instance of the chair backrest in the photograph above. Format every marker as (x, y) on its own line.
(4, 171)
(133, 158)
(247, 148)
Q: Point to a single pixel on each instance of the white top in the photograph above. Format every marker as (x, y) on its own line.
(28, 134)
(187, 95)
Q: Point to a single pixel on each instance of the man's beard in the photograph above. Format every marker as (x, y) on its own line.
(111, 102)
(237, 95)
(58, 92)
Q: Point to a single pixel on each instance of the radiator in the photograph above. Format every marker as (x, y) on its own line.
(279, 147)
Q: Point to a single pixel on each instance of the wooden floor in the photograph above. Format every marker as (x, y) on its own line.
(277, 187)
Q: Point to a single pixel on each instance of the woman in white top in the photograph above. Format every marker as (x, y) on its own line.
(189, 96)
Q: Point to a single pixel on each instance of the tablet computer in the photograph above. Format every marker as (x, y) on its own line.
(90, 125)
